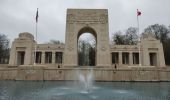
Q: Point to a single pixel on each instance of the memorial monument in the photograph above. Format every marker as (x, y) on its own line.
(94, 21)
(59, 61)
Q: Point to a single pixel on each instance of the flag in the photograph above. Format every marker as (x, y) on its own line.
(37, 16)
(138, 13)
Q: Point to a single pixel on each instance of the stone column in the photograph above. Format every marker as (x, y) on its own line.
(130, 58)
(43, 57)
(53, 57)
(13, 55)
(140, 57)
(111, 58)
(160, 56)
(120, 58)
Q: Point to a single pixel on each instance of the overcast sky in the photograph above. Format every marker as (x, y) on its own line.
(19, 15)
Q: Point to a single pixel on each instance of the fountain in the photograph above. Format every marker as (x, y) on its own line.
(86, 79)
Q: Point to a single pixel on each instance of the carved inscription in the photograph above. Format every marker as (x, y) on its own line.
(89, 17)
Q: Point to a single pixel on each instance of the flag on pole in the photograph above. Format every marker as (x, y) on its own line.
(37, 16)
(138, 13)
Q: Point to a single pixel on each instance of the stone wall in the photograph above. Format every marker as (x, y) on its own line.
(99, 74)
(8, 73)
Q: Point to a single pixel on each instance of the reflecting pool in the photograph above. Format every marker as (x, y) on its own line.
(70, 90)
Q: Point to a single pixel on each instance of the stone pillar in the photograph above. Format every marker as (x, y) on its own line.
(160, 56)
(120, 58)
(111, 58)
(28, 54)
(43, 57)
(13, 55)
(130, 58)
(140, 57)
(53, 57)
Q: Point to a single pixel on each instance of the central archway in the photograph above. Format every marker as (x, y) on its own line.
(93, 21)
(86, 47)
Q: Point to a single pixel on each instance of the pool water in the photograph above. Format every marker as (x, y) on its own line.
(71, 90)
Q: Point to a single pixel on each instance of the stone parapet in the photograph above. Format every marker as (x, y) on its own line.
(99, 74)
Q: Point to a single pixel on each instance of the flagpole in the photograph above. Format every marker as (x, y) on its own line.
(35, 44)
(36, 37)
(139, 45)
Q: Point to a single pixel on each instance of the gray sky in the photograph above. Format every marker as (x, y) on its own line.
(19, 15)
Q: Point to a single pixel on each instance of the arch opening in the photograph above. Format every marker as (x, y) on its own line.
(86, 47)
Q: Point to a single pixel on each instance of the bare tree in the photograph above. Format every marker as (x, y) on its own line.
(161, 31)
(4, 49)
(129, 37)
(166, 46)
(118, 38)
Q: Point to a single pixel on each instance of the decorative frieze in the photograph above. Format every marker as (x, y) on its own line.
(91, 18)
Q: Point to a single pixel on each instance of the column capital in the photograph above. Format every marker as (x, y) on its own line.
(130, 52)
(120, 52)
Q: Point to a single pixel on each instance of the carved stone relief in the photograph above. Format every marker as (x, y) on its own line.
(70, 18)
(103, 19)
(90, 17)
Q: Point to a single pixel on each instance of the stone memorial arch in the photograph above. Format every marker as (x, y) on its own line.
(60, 61)
(94, 21)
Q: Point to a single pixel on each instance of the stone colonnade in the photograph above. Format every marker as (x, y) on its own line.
(125, 58)
(49, 57)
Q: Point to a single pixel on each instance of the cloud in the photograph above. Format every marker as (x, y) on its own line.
(19, 15)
